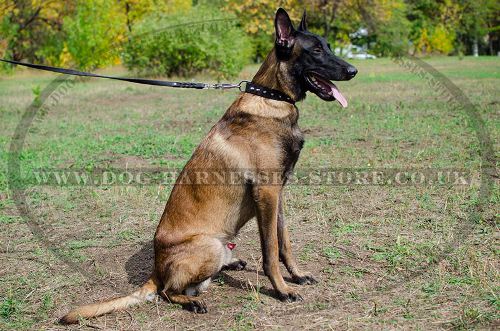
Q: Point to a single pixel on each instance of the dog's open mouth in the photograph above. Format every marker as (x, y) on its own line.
(324, 88)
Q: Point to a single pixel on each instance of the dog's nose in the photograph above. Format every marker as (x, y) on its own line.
(351, 71)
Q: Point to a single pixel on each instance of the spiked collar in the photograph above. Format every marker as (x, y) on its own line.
(268, 93)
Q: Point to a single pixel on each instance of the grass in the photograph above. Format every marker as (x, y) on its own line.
(386, 257)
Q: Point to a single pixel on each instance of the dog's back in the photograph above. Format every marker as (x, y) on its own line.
(258, 141)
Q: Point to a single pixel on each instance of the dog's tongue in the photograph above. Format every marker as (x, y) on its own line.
(340, 98)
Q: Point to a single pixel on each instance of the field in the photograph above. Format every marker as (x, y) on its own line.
(386, 256)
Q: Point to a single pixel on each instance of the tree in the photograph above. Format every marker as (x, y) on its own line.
(257, 20)
(171, 44)
(136, 10)
(386, 24)
(32, 29)
(94, 33)
(433, 25)
(478, 19)
(334, 20)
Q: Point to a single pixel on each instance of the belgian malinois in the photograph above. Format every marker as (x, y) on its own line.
(257, 133)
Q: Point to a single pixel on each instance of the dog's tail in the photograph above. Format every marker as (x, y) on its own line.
(145, 292)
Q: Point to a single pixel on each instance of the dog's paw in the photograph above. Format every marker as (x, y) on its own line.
(197, 306)
(304, 280)
(240, 265)
(290, 296)
(236, 265)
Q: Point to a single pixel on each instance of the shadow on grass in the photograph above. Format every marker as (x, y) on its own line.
(140, 265)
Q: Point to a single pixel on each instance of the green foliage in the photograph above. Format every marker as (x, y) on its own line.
(392, 35)
(187, 43)
(385, 21)
(433, 25)
(31, 30)
(136, 10)
(8, 308)
(442, 39)
(7, 32)
(262, 44)
(94, 33)
(478, 19)
(257, 20)
(452, 26)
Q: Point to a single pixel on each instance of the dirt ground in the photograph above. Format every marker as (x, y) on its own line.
(385, 256)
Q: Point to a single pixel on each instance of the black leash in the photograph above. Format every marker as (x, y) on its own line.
(249, 86)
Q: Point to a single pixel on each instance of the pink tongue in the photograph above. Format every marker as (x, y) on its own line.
(340, 98)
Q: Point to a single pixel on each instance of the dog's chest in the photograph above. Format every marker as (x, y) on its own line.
(292, 144)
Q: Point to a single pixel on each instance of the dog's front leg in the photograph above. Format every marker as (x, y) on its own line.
(267, 200)
(285, 251)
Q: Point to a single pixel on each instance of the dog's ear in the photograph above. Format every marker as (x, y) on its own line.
(285, 32)
(303, 23)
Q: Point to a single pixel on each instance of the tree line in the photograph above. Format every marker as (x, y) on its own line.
(187, 36)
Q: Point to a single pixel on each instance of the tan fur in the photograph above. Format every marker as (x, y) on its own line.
(255, 134)
(146, 292)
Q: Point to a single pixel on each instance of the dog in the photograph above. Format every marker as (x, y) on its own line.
(193, 240)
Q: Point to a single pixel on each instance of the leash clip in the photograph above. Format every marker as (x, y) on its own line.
(226, 86)
(221, 86)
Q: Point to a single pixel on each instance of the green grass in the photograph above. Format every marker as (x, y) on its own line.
(386, 257)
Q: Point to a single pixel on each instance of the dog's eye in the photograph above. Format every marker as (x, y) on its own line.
(318, 49)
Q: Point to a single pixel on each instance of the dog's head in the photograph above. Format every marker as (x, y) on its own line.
(310, 58)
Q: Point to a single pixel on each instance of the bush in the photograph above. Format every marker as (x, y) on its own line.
(187, 43)
(442, 39)
(262, 44)
(93, 34)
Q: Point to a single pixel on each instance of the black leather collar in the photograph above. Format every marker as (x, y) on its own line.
(268, 93)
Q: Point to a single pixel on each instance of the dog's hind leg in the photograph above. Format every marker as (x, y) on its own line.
(186, 301)
(197, 289)
(230, 262)
(188, 267)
